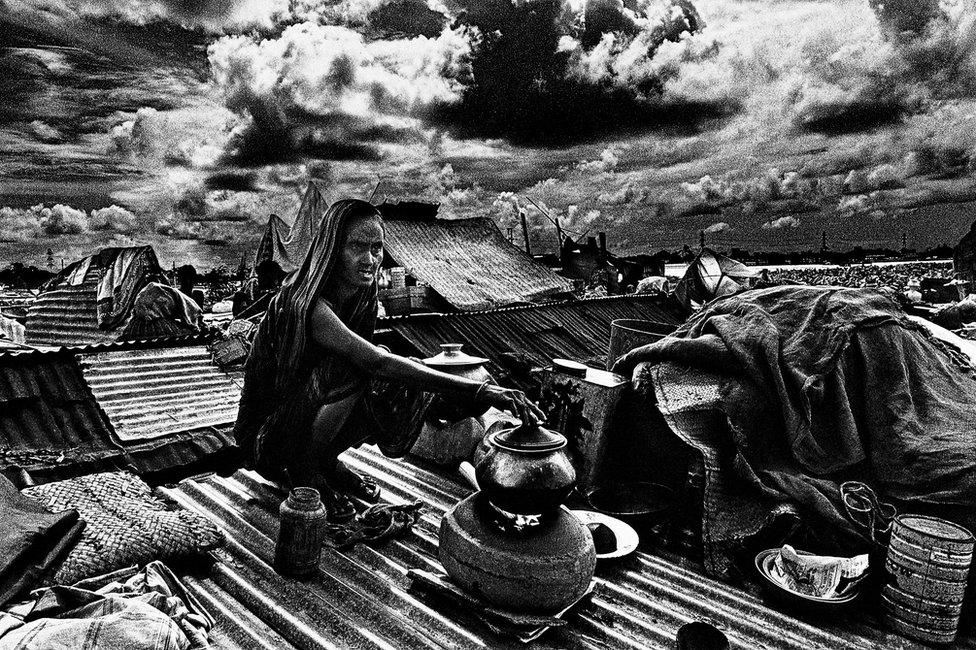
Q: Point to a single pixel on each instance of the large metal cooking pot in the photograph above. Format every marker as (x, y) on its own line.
(451, 408)
(527, 470)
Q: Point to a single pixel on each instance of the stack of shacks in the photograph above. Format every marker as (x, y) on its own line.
(162, 408)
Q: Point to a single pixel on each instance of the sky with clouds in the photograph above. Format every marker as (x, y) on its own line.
(763, 123)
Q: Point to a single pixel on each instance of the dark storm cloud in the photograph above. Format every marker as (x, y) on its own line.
(404, 18)
(527, 86)
(924, 54)
(273, 136)
(537, 72)
(233, 180)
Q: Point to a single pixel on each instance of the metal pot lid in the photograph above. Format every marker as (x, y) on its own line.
(529, 439)
(451, 355)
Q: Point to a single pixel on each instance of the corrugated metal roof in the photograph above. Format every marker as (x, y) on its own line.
(51, 425)
(361, 598)
(578, 330)
(469, 262)
(157, 392)
(67, 315)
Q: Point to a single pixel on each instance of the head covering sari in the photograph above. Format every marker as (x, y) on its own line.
(288, 378)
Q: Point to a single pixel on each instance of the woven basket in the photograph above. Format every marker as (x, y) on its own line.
(125, 524)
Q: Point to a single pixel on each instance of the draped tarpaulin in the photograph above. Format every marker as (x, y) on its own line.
(820, 385)
(33, 541)
(711, 275)
(287, 245)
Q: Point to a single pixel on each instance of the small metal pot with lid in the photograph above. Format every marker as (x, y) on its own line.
(455, 362)
(527, 471)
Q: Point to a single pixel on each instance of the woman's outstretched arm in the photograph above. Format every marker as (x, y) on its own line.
(331, 333)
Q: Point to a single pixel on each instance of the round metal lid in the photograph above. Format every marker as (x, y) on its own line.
(529, 439)
(451, 355)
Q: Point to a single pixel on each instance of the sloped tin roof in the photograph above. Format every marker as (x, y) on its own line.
(362, 597)
(151, 393)
(66, 313)
(68, 412)
(50, 424)
(468, 261)
(578, 330)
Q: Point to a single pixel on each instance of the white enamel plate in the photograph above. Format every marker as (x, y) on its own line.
(627, 537)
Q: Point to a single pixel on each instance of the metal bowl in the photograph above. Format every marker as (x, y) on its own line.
(640, 504)
(785, 596)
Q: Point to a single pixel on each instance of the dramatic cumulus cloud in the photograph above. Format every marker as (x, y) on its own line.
(718, 227)
(782, 222)
(40, 221)
(607, 162)
(866, 72)
(45, 132)
(211, 15)
(327, 92)
(114, 218)
(538, 71)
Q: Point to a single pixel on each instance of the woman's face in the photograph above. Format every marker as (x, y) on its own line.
(362, 252)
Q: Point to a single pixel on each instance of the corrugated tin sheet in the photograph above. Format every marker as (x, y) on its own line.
(53, 426)
(362, 598)
(577, 330)
(171, 407)
(50, 423)
(149, 393)
(67, 315)
(469, 262)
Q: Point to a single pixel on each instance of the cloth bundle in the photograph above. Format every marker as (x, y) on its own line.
(147, 609)
(126, 524)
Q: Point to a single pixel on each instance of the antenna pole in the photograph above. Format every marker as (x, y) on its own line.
(525, 226)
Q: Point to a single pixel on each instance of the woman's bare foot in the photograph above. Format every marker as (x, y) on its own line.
(353, 484)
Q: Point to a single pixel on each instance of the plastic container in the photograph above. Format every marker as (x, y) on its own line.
(925, 577)
(302, 531)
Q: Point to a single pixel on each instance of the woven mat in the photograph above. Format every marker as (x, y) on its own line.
(690, 401)
(126, 524)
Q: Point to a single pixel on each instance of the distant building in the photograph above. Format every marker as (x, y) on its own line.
(964, 257)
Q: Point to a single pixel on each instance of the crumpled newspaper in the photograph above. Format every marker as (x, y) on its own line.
(815, 575)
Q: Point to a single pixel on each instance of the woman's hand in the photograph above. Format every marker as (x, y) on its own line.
(512, 400)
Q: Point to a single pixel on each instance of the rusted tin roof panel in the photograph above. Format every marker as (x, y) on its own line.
(362, 598)
(50, 423)
(53, 426)
(577, 330)
(152, 393)
(469, 262)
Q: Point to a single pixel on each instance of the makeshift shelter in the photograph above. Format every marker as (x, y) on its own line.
(787, 392)
(286, 244)
(468, 262)
(91, 299)
(711, 275)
